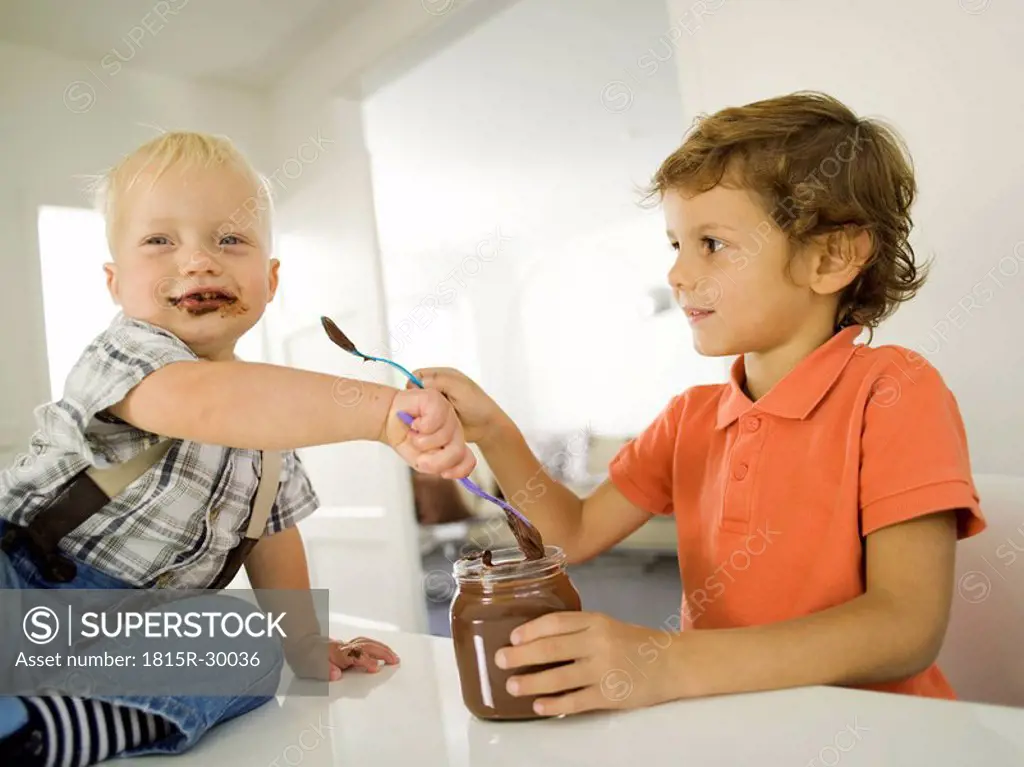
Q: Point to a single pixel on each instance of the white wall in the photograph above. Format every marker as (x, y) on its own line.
(60, 123)
(949, 81)
(505, 169)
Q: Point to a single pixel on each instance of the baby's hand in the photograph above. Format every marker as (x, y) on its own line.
(433, 442)
(360, 653)
(307, 656)
(479, 414)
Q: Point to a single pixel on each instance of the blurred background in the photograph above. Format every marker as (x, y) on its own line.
(456, 184)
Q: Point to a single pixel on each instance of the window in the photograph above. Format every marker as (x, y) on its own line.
(76, 304)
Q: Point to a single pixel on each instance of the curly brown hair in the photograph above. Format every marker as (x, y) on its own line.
(818, 169)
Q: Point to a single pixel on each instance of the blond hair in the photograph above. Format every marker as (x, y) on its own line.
(178, 149)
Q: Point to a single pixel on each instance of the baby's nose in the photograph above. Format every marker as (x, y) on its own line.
(198, 261)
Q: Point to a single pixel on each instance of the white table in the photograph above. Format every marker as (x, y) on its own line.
(413, 715)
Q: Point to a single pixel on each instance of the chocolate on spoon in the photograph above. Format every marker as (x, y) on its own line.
(527, 536)
(339, 338)
(342, 340)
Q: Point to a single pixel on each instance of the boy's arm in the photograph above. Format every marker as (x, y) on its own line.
(583, 528)
(255, 405)
(892, 631)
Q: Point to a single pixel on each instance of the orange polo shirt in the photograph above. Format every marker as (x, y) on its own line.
(773, 499)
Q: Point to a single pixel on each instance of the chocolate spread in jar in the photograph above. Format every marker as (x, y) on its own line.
(497, 592)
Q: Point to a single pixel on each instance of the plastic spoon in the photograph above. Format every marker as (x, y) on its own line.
(526, 535)
(340, 339)
(469, 484)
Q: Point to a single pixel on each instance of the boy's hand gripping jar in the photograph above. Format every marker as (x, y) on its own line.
(492, 600)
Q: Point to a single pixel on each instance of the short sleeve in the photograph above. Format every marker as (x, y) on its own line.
(116, 361)
(914, 454)
(296, 498)
(642, 469)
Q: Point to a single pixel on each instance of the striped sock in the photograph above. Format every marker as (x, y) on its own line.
(77, 732)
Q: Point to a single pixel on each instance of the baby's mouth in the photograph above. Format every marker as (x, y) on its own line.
(203, 301)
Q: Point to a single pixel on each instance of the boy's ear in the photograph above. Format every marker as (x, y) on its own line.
(842, 256)
(112, 285)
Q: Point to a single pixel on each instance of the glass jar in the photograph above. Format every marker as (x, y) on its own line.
(489, 603)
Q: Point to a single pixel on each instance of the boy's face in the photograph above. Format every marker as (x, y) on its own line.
(191, 258)
(736, 276)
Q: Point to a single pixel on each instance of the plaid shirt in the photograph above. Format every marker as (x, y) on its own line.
(176, 524)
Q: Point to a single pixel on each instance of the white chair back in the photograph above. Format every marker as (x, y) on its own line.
(983, 655)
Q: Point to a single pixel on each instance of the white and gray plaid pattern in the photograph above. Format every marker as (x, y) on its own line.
(175, 525)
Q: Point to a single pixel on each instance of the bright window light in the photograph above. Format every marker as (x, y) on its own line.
(76, 304)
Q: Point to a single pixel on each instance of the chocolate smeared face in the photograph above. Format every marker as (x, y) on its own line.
(184, 259)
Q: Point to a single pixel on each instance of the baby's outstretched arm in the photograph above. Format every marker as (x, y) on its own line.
(270, 407)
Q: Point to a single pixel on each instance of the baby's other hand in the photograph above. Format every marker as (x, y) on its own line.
(307, 656)
(480, 415)
(434, 442)
(360, 653)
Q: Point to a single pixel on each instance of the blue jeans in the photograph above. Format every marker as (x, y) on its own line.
(193, 716)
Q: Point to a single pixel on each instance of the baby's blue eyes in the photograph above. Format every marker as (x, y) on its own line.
(226, 241)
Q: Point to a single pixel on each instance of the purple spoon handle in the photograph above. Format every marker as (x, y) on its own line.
(469, 484)
(474, 488)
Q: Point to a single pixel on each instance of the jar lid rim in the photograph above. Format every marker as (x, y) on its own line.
(508, 564)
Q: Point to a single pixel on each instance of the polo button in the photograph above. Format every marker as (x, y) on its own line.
(740, 471)
(753, 424)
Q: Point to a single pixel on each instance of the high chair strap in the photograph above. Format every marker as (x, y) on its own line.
(263, 503)
(88, 493)
(266, 493)
(114, 479)
(92, 489)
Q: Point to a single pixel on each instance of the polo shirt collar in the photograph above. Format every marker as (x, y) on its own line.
(800, 390)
